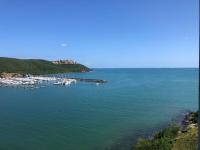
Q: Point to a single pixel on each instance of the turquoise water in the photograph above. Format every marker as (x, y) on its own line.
(85, 116)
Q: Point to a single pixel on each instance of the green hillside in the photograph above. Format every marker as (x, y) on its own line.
(37, 66)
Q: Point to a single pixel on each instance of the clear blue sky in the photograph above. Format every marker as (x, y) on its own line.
(102, 33)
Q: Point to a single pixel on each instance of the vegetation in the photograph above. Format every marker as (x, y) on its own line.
(163, 140)
(187, 141)
(194, 117)
(37, 66)
(171, 138)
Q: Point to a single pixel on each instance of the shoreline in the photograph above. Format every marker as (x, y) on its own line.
(130, 140)
(174, 131)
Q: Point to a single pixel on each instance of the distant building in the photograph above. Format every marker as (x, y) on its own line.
(64, 62)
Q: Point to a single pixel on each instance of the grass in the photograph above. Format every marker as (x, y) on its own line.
(187, 141)
(171, 138)
(37, 66)
(163, 140)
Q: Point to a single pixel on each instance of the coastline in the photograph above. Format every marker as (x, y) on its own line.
(127, 143)
(173, 132)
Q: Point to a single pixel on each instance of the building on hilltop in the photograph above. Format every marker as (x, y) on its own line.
(64, 62)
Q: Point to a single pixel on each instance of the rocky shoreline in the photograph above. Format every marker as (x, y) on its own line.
(179, 136)
(190, 120)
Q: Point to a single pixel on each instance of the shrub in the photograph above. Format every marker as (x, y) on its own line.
(156, 144)
(163, 140)
(169, 132)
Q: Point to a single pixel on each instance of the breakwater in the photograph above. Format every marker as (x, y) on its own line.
(89, 80)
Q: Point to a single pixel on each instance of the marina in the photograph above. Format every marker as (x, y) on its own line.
(36, 80)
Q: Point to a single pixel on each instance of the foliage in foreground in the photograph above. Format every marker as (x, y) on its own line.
(187, 141)
(171, 139)
(163, 140)
(169, 132)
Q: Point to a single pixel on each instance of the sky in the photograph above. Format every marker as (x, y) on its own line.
(102, 33)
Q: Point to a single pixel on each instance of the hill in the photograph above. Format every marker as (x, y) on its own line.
(37, 66)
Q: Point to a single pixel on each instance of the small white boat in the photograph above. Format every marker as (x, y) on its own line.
(58, 83)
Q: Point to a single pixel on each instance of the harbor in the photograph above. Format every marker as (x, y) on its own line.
(36, 80)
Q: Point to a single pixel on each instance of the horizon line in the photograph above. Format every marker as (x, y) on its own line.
(144, 67)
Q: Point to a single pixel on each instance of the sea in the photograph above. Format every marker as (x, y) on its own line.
(133, 104)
